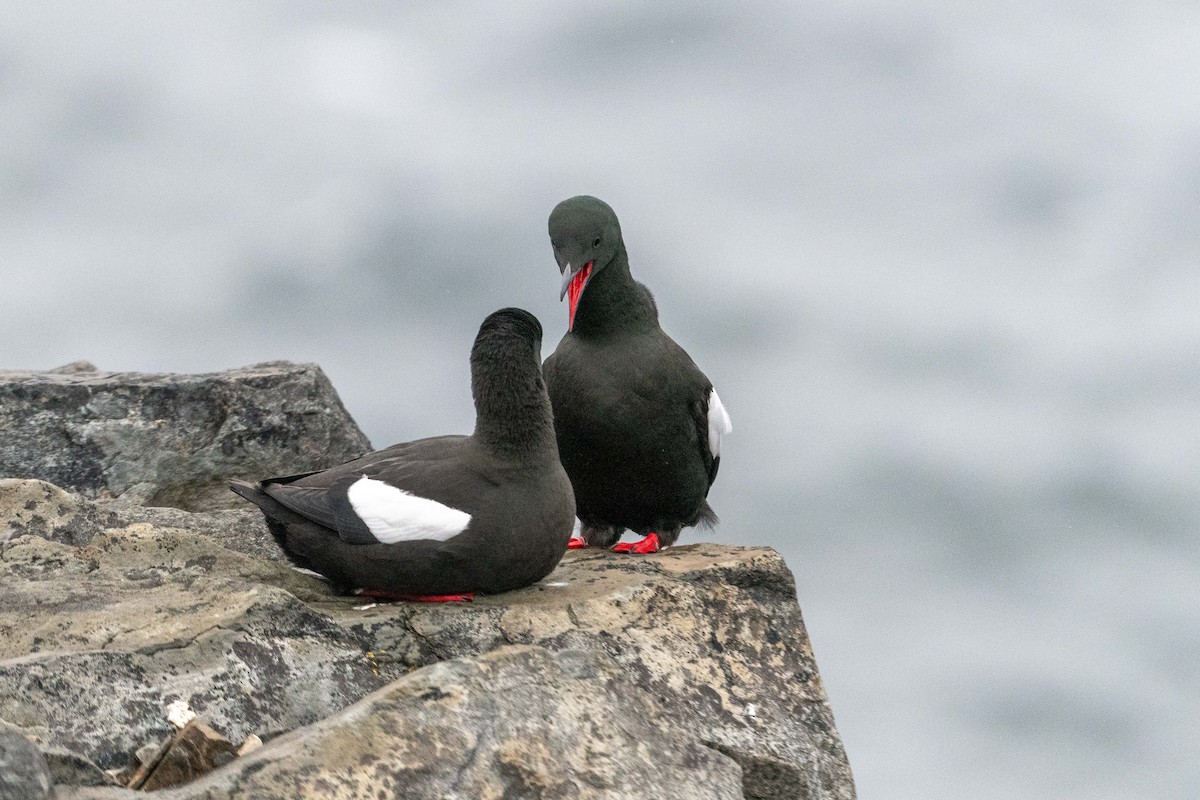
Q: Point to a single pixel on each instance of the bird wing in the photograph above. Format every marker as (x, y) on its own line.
(708, 413)
(706, 416)
(427, 489)
(719, 423)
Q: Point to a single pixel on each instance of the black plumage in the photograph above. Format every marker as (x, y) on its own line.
(638, 424)
(506, 476)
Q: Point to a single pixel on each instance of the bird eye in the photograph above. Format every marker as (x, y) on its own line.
(597, 242)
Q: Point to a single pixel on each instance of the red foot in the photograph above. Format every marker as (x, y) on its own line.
(647, 545)
(576, 543)
(381, 594)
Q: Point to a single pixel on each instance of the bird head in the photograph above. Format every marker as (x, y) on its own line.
(586, 238)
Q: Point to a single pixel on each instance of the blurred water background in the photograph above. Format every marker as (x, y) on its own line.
(941, 260)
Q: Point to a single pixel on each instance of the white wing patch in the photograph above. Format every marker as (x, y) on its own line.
(394, 515)
(718, 423)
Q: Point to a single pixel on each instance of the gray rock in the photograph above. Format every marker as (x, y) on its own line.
(75, 366)
(42, 509)
(103, 627)
(171, 440)
(97, 641)
(519, 722)
(241, 529)
(24, 774)
(714, 632)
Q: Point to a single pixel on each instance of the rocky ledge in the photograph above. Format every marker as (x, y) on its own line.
(684, 674)
(687, 674)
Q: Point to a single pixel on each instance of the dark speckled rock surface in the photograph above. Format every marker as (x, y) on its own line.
(171, 440)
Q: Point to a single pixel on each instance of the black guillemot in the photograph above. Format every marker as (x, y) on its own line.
(639, 426)
(445, 517)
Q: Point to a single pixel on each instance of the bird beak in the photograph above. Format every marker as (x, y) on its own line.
(574, 279)
(569, 274)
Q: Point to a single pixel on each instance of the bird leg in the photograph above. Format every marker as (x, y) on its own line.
(576, 543)
(599, 534)
(383, 594)
(647, 545)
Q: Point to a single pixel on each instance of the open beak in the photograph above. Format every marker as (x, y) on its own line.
(573, 282)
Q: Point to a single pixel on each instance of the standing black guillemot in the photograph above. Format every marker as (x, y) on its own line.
(639, 426)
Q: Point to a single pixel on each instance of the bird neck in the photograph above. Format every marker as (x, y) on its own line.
(613, 300)
(512, 411)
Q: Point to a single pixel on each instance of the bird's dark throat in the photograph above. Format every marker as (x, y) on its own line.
(575, 290)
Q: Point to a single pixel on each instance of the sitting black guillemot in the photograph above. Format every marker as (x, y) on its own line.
(445, 517)
(639, 426)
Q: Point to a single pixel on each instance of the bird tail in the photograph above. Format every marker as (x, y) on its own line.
(275, 514)
(707, 518)
(248, 490)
